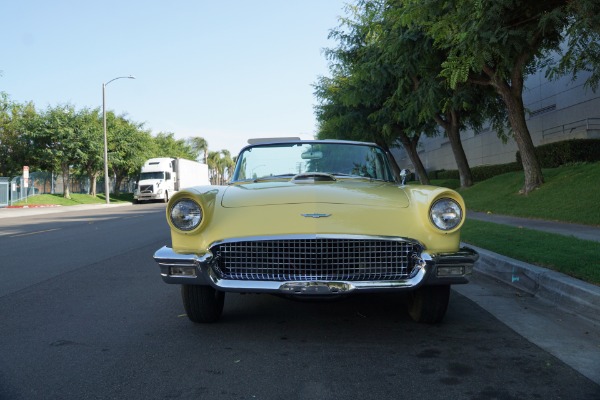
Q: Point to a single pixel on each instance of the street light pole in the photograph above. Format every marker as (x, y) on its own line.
(106, 181)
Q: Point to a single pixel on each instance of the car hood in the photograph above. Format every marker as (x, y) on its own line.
(350, 192)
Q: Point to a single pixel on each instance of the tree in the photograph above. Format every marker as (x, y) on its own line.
(61, 138)
(581, 52)
(342, 119)
(15, 152)
(91, 131)
(56, 140)
(425, 96)
(363, 96)
(167, 146)
(214, 167)
(220, 166)
(228, 164)
(129, 147)
(200, 146)
(494, 44)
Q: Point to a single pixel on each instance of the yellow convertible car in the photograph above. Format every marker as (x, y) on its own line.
(315, 219)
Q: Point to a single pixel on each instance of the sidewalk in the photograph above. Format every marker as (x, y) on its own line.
(585, 232)
(565, 292)
(15, 212)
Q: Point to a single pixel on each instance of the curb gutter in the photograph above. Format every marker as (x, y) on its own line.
(564, 291)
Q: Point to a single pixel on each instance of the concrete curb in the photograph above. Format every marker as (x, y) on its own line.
(15, 212)
(564, 291)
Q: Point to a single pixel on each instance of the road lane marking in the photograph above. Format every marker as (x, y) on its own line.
(133, 216)
(36, 232)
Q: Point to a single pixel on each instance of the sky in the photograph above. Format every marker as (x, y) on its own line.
(224, 70)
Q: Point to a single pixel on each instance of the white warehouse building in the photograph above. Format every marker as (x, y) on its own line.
(557, 110)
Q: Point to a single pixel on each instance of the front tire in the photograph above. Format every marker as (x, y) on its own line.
(428, 304)
(202, 303)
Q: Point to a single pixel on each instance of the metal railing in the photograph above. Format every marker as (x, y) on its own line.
(586, 125)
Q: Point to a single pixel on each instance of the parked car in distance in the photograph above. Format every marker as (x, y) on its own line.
(315, 219)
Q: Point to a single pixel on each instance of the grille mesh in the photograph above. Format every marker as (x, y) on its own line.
(315, 259)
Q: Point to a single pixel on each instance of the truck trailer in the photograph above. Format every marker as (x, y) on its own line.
(160, 178)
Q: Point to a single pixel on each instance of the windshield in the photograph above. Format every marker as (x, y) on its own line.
(290, 159)
(152, 175)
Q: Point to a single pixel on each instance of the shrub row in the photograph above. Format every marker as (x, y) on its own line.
(479, 173)
(550, 155)
(553, 155)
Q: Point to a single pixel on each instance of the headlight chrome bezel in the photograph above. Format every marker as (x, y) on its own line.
(446, 214)
(185, 214)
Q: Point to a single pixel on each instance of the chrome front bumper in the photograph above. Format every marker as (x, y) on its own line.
(433, 269)
(149, 196)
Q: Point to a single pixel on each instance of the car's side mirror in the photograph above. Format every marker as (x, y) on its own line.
(405, 174)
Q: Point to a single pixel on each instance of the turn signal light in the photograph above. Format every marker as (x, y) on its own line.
(182, 271)
(453, 271)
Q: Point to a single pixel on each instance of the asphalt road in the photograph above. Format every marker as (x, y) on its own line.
(85, 315)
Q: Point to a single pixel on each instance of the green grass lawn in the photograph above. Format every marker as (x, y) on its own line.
(569, 194)
(571, 256)
(76, 199)
(449, 183)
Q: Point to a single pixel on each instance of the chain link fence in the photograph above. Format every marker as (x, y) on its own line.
(14, 190)
(4, 186)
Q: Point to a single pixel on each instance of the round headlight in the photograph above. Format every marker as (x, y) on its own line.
(186, 214)
(445, 214)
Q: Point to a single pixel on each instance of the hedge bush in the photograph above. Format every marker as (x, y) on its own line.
(550, 155)
(479, 173)
(554, 155)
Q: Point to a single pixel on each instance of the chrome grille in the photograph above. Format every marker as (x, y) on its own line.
(315, 259)
(146, 188)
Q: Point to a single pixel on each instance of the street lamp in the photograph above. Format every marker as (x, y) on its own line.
(106, 183)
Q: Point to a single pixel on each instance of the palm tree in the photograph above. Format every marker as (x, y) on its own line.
(220, 166)
(199, 145)
(227, 165)
(213, 160)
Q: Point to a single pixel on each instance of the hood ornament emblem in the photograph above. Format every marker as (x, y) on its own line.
(316, 215)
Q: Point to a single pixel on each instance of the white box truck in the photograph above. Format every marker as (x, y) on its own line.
(160, 178)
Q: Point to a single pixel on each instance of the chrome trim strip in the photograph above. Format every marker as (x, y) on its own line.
(317, 236)
(465, 256)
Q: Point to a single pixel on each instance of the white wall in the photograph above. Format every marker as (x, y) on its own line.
(558, 110)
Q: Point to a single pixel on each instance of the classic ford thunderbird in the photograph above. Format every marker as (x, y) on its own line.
(315, 219)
